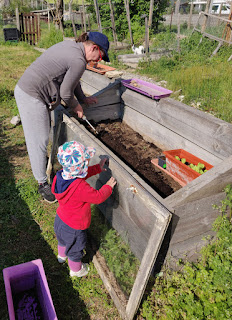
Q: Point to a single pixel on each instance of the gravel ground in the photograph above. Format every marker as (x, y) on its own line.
(131, 73)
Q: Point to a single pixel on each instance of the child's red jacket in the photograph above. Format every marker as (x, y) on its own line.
(74, 203)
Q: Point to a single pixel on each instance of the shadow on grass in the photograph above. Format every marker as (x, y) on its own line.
(21, 239)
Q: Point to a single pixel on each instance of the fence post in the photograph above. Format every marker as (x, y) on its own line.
(190, 16)
(177, 7)
(126, 2)
(113, 22)
(98, 16)
(17, 19)
(146, 34)
(83, 10)
(206, 17)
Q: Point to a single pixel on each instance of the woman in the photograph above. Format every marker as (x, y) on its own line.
(52, 78)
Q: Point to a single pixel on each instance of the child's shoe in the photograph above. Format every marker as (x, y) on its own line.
(82, 272)
(61, 259)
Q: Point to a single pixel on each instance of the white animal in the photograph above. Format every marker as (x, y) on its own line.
(139, 50)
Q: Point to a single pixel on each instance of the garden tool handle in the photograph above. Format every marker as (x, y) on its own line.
(85, 119)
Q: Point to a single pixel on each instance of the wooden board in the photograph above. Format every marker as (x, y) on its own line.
(108, 104)
(181, 119)
(195, 218)
(92, 82)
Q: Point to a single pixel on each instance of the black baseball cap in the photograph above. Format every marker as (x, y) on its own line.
(102, 41)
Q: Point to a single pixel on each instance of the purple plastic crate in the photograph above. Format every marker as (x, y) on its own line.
(146, 88)
(26, 277)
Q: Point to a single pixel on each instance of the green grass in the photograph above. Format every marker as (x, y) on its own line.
(203, 80)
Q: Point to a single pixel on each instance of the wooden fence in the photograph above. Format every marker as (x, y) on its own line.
(30, 27)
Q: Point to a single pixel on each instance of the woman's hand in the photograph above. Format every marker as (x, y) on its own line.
(90, 100)
(79, 111)
(102, 163)
(112, 182)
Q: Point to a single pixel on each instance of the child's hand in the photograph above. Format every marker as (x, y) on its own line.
(102, 163)
(112, 182)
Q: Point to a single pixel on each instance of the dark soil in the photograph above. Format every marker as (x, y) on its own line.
(137, 153)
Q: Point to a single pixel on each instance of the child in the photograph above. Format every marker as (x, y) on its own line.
(74, 196)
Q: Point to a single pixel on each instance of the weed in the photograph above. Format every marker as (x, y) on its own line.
(226, 204)
(49, 37)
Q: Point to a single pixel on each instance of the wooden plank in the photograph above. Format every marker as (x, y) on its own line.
(215, 16)
(182, 119)
(188, 250)
(145, 269)
(107, 277)
(97, 114)
(210, 36)
(216, 50)
(17, 18)
(109, 95)
(92, 82)
(33, 21)
(30, 18)
(195, 218)
(108, 104)
(163, 137)
(210, 183)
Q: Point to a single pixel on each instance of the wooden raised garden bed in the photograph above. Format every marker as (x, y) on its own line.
(169, 222)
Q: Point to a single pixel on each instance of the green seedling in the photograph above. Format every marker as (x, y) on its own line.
(183, 160)
(177, 158)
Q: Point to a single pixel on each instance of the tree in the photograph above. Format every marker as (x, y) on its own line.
(59, 15)
(137, 9)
